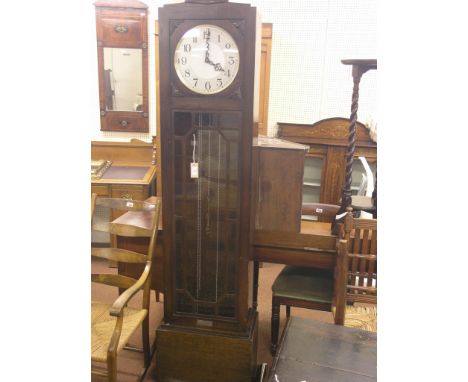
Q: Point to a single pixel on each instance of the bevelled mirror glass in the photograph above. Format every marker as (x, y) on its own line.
(122, 48)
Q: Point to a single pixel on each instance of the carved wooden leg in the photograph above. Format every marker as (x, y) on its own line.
(146, 343)
(275, 320)
(255, 284)
(288, 311)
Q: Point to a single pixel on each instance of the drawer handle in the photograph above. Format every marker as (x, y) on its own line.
(123, 123)
(127, 196)
(121, 28)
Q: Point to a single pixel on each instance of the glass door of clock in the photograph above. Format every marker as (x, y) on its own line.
(206, 205)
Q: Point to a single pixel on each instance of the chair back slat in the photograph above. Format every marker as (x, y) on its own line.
(140, 221)
(122, 229)
(355, 261)
(363, 261)
(361, 235)
(125, 204)
(118, 281)
(118, 254)
(372, 261)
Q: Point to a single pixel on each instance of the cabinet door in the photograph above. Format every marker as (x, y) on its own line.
(312, 182)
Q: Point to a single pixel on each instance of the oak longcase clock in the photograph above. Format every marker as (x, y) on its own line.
(208, 59)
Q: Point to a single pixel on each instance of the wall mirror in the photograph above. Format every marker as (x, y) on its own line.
(122, 45)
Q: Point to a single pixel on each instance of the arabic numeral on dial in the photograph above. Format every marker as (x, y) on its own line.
(187, 48)
(219, 82)
(208, 86)
(195, 82)
(182, 60)
(231, 60)
(187, 73)
(228, 46)
(228, 73)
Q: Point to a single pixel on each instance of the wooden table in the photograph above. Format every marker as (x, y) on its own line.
(313, 246)
(321, 352)
(129, 180)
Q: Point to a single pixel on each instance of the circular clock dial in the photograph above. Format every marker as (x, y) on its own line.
(206, 59)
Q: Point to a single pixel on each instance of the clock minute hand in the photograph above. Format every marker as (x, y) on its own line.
(217, 66)
(207, 52)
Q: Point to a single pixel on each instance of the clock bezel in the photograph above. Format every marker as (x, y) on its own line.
(178, 87)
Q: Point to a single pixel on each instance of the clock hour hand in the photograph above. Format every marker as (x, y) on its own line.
(217, 66)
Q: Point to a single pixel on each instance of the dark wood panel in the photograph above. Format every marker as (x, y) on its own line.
(279, 177)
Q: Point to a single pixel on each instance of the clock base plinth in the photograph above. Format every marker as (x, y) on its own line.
(189, 355)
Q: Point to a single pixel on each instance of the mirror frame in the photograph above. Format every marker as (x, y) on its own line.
(122, 24)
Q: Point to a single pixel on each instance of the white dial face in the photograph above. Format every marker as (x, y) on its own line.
(206, 59)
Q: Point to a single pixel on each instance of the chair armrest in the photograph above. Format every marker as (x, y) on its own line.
(118, 305)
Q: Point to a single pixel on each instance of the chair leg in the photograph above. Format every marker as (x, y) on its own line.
(288, 311)
(112, 368)
(146, 342)
(275, 320)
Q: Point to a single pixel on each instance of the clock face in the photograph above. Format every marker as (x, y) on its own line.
(206, 59)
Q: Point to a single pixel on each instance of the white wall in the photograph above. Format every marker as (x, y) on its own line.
(308, 81)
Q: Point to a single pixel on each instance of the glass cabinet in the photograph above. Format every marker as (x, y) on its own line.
(325, 162)
(312, 182)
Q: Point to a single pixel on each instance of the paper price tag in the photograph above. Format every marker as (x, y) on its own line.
(194, 170)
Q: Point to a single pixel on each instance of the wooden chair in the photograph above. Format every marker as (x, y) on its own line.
(302, 287)
(113, 324)
(357, 273)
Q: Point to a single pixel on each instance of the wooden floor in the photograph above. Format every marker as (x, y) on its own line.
(130, 363)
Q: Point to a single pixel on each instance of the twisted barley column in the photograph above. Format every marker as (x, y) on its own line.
(346, 196)
(359, 68)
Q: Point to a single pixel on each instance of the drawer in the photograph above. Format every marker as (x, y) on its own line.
(121, 30)
(124, 121)
(100, 190)
(129, 192)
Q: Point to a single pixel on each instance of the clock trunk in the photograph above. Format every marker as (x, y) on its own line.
(206, 147)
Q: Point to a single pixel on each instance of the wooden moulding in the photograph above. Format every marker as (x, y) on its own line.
(121, 4)
(206, 357)
(331, 131)
(133, 151)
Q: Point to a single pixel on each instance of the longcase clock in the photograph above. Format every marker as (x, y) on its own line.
(209, 52)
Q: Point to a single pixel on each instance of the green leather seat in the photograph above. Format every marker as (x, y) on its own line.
(309, 284)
